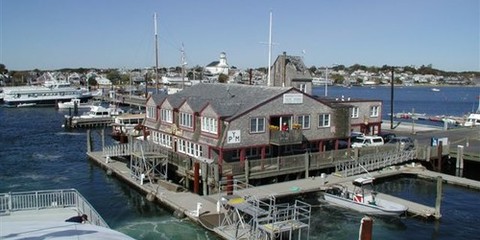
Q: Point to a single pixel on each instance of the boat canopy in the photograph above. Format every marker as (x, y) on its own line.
(363, 181)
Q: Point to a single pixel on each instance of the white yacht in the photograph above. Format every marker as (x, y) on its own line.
(48, 94)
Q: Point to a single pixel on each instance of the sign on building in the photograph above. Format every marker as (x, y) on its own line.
(233, 136)
(292, 98)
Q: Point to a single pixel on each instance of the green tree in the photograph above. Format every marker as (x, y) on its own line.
(92, 81)
(114, 76)
(222, 78)
(3, 69)
(312, 69)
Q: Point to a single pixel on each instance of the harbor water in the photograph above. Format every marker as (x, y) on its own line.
(36, 153)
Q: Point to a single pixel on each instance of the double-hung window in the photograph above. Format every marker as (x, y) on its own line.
(167, 115)
(304, 121)
(257, 125)
(209, 125)
(374, 111)
(151, 112)
(186, 120)
(354, 112)
(324, 120)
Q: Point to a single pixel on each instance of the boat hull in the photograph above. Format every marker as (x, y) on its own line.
(380, 208)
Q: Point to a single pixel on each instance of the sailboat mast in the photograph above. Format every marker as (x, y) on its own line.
(269, 83)
(156, 51)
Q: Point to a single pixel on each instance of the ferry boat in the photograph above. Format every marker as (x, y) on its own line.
(52, 214)
(48, 94)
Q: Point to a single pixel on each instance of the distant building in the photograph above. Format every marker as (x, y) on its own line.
(216, 68)
(290, 71)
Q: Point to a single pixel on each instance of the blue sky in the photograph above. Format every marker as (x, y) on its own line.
(53, 34)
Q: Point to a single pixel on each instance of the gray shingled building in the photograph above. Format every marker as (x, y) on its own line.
(232, 122)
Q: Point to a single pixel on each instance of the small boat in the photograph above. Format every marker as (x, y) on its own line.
(26, 105)
(52, 214)
(363, 199)
(435, 89)
(472, 120)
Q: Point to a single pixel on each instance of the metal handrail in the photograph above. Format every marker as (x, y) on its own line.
(50, 199)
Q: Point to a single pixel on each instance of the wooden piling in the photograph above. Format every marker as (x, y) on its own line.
(459, 163)
(204, 178)
(438, 200)
(196, 177)
(229, 184)
(307, 164)
(89, 141)
(366, 228)
(247, 171)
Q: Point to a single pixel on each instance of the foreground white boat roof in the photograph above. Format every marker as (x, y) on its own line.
(50, 224)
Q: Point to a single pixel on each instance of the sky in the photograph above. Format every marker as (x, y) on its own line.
(55, 34)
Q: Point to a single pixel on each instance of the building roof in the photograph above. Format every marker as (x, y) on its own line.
(213, 64)
(228, 100)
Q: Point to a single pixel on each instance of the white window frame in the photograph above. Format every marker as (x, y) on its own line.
(190, 148)
(355, 111)
(255, 126)
(304, 120)
(374, 111)
(151, 112)
(324, 120)
(167, 115)
(186, 120)
(209, 125)
(303, 87)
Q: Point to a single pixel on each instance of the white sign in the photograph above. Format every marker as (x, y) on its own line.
(233, 136)
(292, 98)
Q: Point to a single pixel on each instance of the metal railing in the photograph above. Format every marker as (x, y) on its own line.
(49, 199)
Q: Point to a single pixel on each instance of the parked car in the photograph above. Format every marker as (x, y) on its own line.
(406, 143)
(387, 136)
(367, 141)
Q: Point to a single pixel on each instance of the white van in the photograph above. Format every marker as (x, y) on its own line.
(367, 141)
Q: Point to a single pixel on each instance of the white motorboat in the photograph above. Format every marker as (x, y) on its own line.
(52, 214)
(363, 199)
(472, 120)
(126, 125)
(74, 103)
(101, 112)
(48, 94)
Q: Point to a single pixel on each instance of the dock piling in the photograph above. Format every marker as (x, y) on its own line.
(366, 227)
(459, 163)
(438, 200)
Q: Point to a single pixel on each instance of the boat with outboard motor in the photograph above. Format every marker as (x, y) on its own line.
(363, 199)
(52, 214)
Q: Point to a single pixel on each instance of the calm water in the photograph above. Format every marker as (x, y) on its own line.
(37, 153)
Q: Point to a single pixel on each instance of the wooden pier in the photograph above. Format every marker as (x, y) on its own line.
(207, 209)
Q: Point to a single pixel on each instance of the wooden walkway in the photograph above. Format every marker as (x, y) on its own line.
(185, 203)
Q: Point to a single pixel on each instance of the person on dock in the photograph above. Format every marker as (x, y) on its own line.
(78, 219)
